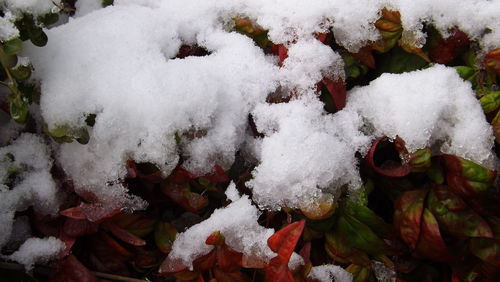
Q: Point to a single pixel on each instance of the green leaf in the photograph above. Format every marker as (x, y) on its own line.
(340, 250)
(360, 235)
(368, 217)
(431, 244)
(19, 110)
(7, 61)
(435, 172)
(59, 131)
(82, 136)
(13, 46)
(399, 61)
(106, 3)
(21, 72)
(468, 169)
(458, 222)
(486, 249)
(490, 102)
(408, 210)
(49, 18)
(37, 36)
(165, 234)
(466, 73)
(420, 160)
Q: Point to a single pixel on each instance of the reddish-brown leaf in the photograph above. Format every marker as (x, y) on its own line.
(228, 259)
(224, 276)
(430, 244)
(337, 91)
(69, 269)
(110, 242)
(181, 195)
(341, 251)
(283, 242)
(123, 234)
(181, 175)
(281, 51)
(444, 50)
(79, 227)
(486, 249)
(165, 234)
(365, 56)
(215, 239)
(136, 223)
(205, 262)
(278, 271)
(219, 175)
(492, 60)
(380, 162)
(74, 212)
(98, 212)
(408, 210)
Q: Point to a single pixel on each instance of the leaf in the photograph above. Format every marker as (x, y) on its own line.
(368, 217)
(337, 91)
(360, 235)
(399, 61)
(123, 234)
(389, 26)
(79, 227)
(444, 50)
(281, 51)
(229, 260)
(136, 223)
(19, 109)
(165, 234)
(218, 176)
(12, 46)
(215, 239)
(224, 276)
(408, 210)
(492, 60)
(468, 169)
(460, 221)
(321, 208)
(430, 244)
(37, 36)
(364, 55)
(112, 244)
(74, 213)
(283, 242)
(486, 249)
(206, 261)
(49, 18)
(340, 250)
(70, 269)
(98, 212)
(490, 102)
(21, 72)
(181, 195)
(466, 72)
(420, 160)
(384, 158)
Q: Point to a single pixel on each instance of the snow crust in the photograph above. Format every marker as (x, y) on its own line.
(33, 7)
(238, 224)
(329, 273)
(37, 250)
(432, 107)
(127, 75)
(33, 186)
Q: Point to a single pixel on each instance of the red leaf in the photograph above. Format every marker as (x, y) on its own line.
(321, 37)
(123, 234)
(69, 269)
(492, 60)
(385, 166)
(205, 262)
(215, 239)
(224, 276)
(136, 223)
(79, 227)
(431, 245)
(181, 175)
(337, 91)
(181, 195)
(278, 271)
(281, 51)
(98, 212)
(305, 252)
(110, 242)
(69, 242)
(74, 212)
(408, 214)
(219, 175)
(169, 266)
(228, 259)
(365, 56)
(444, 51)
(283, 242)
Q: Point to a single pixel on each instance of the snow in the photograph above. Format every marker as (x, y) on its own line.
(427, 108)
(36, 250)
(127, 74)
(33, 186)
(7, 29)
(33, 7)
(304, 152)
(329, 273)
(84, 7)
(238, 224)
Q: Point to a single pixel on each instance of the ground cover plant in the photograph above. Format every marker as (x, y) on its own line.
(249, 140)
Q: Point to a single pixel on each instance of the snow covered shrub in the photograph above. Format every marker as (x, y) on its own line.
(278, 140)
